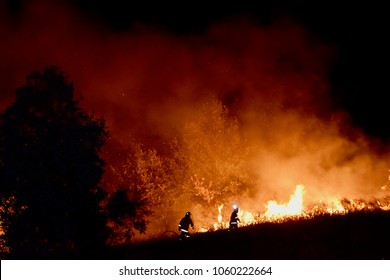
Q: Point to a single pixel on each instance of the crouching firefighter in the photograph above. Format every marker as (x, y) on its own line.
(184, 225)
(234, 219)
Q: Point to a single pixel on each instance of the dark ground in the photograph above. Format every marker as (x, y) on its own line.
(354, 236)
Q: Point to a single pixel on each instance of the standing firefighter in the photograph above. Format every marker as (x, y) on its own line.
(184, 225)
(234, 219)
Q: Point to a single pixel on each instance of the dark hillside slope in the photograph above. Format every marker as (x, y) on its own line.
(353, 236)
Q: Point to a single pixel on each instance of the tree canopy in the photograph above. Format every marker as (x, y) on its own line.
(200, 168)
(50, 170)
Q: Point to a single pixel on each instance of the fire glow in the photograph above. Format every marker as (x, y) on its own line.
(294, 210)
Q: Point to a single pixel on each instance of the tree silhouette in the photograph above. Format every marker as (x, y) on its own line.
(50, 171)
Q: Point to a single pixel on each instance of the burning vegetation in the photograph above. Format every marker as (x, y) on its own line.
(212, 164)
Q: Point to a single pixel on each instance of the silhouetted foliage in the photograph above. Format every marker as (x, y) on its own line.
(126, 214)
(50, 170)
(153, 177)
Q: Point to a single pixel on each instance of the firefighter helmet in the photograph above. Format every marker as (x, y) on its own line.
(188, 213)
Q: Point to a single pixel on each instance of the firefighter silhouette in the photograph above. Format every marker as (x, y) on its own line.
(234, 219)
(184, 225)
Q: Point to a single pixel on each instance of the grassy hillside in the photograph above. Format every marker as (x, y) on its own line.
(353, 236)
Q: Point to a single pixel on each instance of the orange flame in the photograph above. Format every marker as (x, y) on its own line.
(295, 209)
(220, 223)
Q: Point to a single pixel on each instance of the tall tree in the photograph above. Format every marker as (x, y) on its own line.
(50, 170)
(147, 182)
(216, 155)
(204, 166)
